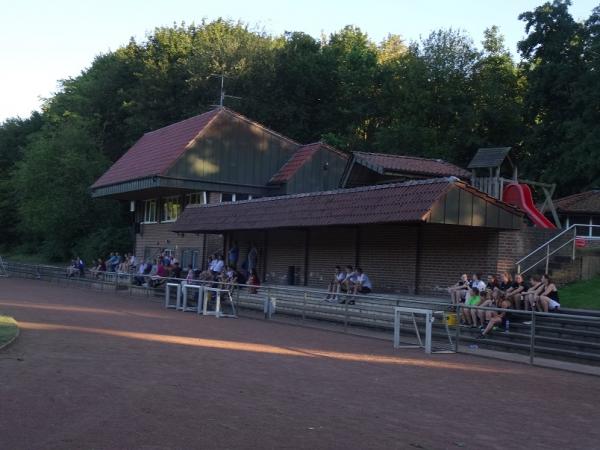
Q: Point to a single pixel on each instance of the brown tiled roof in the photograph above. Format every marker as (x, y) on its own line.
(583, 203)
(389, 203)
(156, 151)
(298, 159)
(383, 162)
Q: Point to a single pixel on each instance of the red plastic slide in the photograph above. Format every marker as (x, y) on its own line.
(519, 195)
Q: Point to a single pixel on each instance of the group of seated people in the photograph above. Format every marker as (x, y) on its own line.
(115, 262)
(77, 267)
(153, 273)
(349, 281)
(224, 276)
(540, 294)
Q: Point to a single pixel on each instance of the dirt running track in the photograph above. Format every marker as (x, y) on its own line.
(95, 371)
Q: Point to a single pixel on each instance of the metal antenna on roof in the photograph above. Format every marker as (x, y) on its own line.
(222, 96)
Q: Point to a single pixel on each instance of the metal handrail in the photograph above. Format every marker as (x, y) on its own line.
(546, 246)
(543, 246)
(59, 272)
(547, 256)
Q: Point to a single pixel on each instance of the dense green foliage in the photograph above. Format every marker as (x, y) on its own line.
(440, 97)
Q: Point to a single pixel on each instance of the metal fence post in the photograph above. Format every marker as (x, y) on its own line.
(532, 337)
(547, 257)
(268, 305)
(304, 306)
(574, 243)
(457, 337)
(346, 316)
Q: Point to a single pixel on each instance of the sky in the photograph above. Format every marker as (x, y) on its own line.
(45, 41)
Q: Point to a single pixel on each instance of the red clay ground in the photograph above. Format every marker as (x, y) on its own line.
(98, 371)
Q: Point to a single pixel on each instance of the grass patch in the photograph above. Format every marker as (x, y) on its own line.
(8, 329)
(581, 294)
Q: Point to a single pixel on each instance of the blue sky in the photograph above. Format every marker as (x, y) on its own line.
(44, 41)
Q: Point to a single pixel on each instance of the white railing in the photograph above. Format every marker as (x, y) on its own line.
(546, 250)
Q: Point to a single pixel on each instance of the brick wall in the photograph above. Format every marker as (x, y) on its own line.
(157, 236)
(514, 245)
(329, 247)
(388, 253)
(449, 251)
(286, 248)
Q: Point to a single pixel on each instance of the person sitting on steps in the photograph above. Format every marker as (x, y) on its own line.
(536, 287)
(459, 290)
(548, 299)
(363, 283)
(516, 291)
(335, 284)
(496, 318)
(469, 313)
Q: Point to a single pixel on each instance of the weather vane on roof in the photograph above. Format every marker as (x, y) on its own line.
(222, 96)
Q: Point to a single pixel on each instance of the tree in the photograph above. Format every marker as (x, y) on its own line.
(553, 67)
(428, 99)
(498, 88)
(51, 182)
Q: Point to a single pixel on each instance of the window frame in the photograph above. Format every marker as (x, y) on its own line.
(165, 203)
(146, 216)
(201, 197)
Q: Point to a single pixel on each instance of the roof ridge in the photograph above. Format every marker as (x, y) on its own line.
(329, 147)
(253, 122)
(214, 110)
(393, 155)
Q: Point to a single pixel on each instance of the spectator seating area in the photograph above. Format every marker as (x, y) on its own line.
(571, 335)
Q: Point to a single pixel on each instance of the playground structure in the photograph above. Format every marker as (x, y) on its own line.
(514, 191)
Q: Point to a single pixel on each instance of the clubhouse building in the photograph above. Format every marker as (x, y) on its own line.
(413, 224)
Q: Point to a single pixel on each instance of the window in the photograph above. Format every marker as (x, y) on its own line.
(190, 256)
(150, 211)
(227, 197)
(195, 198)
(171, 209)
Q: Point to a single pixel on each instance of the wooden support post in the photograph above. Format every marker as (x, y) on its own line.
(265, 256)
(204, 253)
(357, 247)
(418, 258)
(306, 247)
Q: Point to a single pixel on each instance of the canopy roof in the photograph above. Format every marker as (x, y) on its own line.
(440, 200)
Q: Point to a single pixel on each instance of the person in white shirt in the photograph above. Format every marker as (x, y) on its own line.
(335, 284)
(132, 262)
(218, 265)
(476, 282)
(362, 284)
